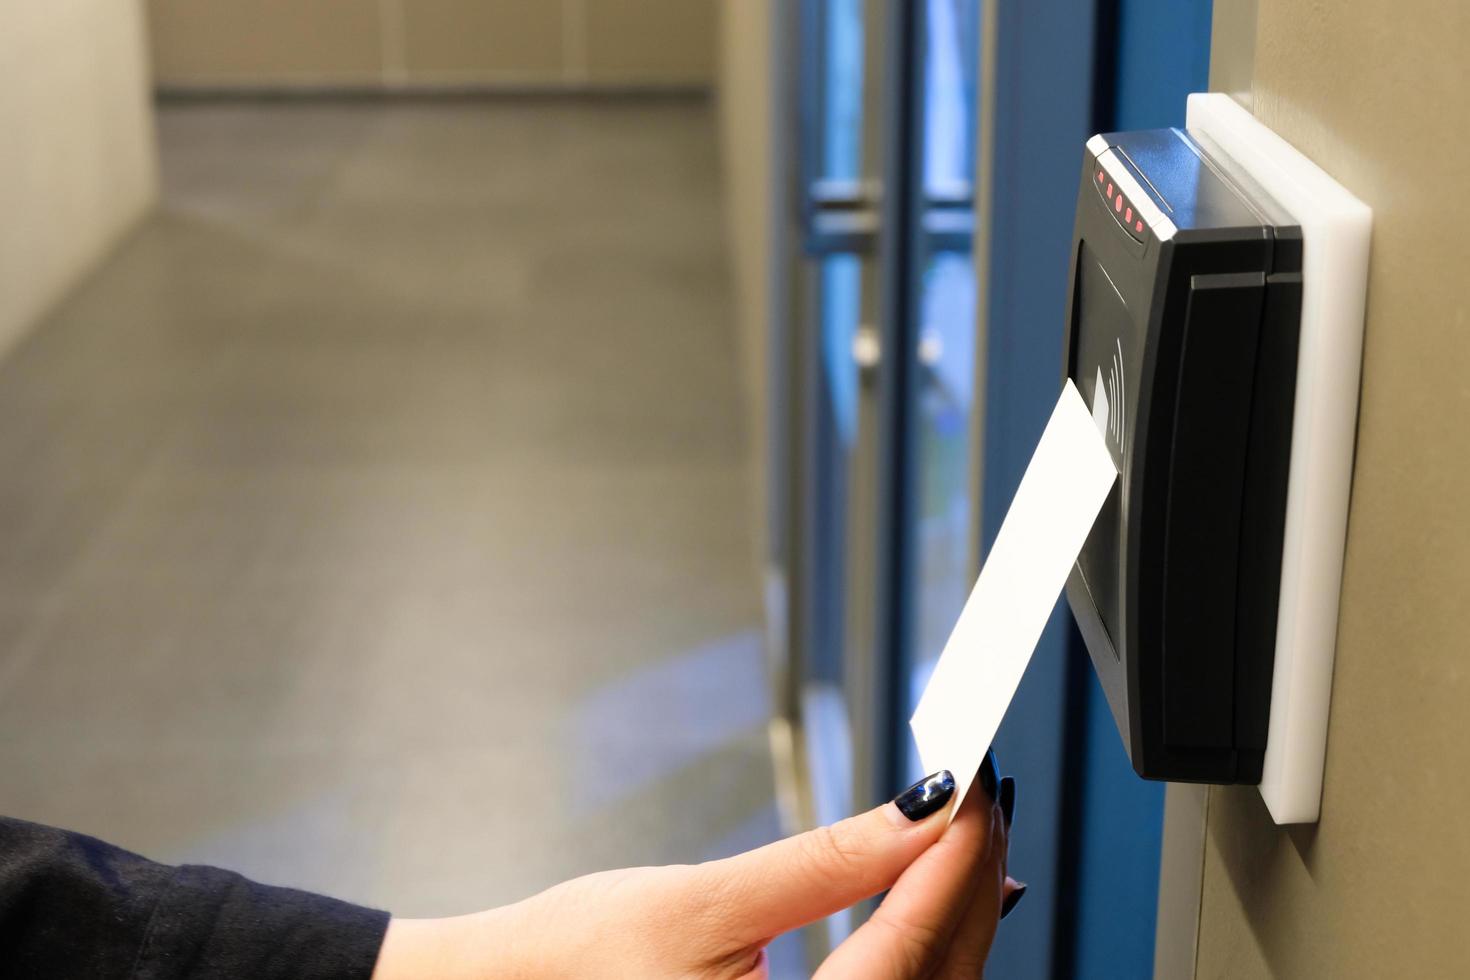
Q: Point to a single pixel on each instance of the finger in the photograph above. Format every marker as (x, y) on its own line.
(910, 933)
(1007, 800)
(779, 887)
(967, 951)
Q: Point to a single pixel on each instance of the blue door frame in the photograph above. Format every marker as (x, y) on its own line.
(1053, 72)
(1040, 81)
(1089, 832)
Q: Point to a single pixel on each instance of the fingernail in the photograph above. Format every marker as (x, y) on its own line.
(989, 775)
(1007, 800)
(926, 796)
(1012, 900)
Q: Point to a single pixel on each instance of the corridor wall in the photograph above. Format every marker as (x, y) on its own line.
(433, 44)
(1379, 887)
(77, 163)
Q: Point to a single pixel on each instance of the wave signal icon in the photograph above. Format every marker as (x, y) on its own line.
(1109, 398)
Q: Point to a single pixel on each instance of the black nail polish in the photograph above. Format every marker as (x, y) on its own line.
(926, 796)
(1007, 800)
(989, 776)
(1012, 900)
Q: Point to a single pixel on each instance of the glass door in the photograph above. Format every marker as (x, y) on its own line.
(882, 381)
(938, 517)
(839, 221)
(901, 455)
(834, 555)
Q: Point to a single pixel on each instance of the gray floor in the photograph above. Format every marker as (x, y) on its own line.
(374, 521)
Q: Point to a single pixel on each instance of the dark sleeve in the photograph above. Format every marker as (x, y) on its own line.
(73, 906)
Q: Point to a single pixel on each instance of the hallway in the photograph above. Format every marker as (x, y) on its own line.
(361, 490)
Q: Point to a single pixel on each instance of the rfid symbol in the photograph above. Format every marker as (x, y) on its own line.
(1108, 398)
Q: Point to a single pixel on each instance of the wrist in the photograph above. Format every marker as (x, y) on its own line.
(411, 948)
(482, 946)
(416, 948)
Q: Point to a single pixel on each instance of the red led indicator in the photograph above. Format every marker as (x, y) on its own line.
(1099, 176)
(1110, 192)
(1138, 226)
(1118, 203)
(1128, 215)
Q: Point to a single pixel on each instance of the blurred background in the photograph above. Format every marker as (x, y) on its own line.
(449, 446)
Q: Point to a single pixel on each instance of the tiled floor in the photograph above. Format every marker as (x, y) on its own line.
(375, 520)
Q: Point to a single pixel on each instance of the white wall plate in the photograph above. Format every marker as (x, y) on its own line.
(1336, 228)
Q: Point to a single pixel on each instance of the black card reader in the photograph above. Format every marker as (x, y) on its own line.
(1182, 331)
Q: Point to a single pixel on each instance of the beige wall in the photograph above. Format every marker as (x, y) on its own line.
(429, 43)
(747, 128)
(77, 163)
(1377, 94)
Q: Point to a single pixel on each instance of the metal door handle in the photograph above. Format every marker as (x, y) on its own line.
(842, 216)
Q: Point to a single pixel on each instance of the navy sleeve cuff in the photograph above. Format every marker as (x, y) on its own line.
(210, 924)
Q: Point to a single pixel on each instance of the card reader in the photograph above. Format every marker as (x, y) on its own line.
(1215, 327)
(1182, 336)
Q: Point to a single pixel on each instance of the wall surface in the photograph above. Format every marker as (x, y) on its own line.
(433, 43)
(77, 164)
(1377, 94)
(751, 171)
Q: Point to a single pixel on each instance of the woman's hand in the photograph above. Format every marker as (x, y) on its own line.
(948, 890)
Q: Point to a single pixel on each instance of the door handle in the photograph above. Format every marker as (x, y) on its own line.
(842, 216)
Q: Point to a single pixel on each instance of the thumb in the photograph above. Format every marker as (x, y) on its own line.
(785, 885)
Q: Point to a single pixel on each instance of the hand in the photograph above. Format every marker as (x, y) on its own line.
(948, 890)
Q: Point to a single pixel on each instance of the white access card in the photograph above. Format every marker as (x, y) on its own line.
(1064, 487)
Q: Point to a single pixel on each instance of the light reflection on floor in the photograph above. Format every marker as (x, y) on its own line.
(666, 716)
(669, 717)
